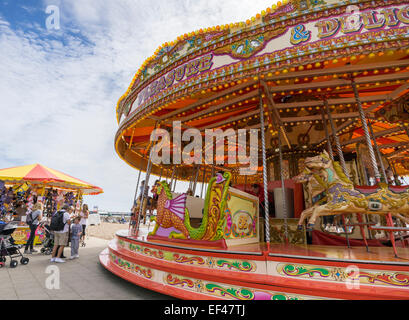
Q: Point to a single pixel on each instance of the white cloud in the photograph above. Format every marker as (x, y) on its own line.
(59, 91)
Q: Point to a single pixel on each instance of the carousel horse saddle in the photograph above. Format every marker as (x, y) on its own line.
(398, 189)
(367, 189)
(373, 189)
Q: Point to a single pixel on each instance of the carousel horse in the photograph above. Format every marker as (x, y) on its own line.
(315, 192)
(316, 196)
(344, 198)
(173, 212)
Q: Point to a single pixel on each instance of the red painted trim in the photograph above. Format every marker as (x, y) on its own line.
(194, 251)
(187, 270)
(149, 284)
(331, 263)
(266, 282)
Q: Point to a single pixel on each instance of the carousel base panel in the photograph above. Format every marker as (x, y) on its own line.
(250, 272)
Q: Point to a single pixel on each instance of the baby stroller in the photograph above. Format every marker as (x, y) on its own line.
(48, 242)
(8, 246)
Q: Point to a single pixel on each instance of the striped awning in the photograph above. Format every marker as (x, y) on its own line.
(37, 174)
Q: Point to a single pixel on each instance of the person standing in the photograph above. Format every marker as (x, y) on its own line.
(33, 220)
(76, 231)
(60, 224)
(84, 214)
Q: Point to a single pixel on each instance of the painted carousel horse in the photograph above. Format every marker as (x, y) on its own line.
(344, 198)
(172, 213)
(316, 196)
(314, 191)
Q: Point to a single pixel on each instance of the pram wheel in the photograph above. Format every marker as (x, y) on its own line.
(24, 261)
(13, 264)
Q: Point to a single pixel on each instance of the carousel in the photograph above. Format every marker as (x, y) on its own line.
(302, 179)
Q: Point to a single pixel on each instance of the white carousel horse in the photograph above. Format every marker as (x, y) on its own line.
(343, 198)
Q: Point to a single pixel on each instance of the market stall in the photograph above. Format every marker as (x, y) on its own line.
(21, 187)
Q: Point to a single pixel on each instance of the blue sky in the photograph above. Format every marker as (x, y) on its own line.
(59, 88)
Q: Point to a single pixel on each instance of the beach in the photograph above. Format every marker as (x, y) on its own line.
(107, 230)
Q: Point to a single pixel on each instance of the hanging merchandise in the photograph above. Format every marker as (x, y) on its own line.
(20, 192)
(30, 201)
(3, 196)
(69, 198)
(55, 196)
(78, 203)
(48, 203)
(60, 199)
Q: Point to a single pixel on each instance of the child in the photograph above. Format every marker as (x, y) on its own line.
(76, 231)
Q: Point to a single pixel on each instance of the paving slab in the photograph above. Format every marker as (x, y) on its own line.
(79, 279)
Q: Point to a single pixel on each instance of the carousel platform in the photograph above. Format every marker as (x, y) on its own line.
(250, 272)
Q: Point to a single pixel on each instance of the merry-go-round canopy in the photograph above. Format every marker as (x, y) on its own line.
(303, 59)
(40, 175)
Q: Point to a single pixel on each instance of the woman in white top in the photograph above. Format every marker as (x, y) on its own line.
(84, 219)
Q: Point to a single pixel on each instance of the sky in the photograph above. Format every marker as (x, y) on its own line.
(60, 79)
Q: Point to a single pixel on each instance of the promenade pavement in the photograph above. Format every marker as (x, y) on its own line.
(80, 279)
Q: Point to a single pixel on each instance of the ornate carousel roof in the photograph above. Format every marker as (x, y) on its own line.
(299, 57)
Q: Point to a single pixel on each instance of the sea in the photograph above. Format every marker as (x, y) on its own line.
(112, 213)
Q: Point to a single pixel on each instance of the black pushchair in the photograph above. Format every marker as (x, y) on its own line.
(48, 242)
(8, 247)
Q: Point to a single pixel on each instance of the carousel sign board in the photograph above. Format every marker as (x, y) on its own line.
(351, 29)
(178, 74)
(350, 23)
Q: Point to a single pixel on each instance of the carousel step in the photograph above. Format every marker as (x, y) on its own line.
(197, 266)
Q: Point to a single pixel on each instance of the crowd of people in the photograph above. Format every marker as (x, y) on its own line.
(66, 225)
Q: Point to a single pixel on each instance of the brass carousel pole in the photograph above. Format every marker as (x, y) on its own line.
(336, 138)
(275, 117)
(342, 161)
(329, 146)
(366, 131)
(161, 172)
(139, 177)
(144, 191)
(395, 173)
(265, 182)
(173, 176)
(378, 152)
(137, 184)
(176, 181)
(196, 177)
(283, 189)
(203, 181)
(145, 185)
